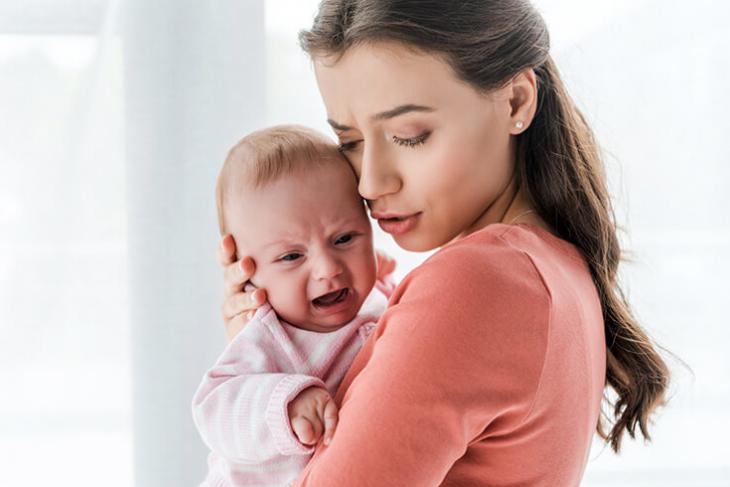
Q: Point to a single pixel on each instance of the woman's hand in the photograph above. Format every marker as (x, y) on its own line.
(312, 414)
(238, 306)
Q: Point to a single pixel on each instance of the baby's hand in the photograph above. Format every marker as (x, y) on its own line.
(312, 413)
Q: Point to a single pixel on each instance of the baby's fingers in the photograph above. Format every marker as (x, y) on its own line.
(304, 430)
(330, 420)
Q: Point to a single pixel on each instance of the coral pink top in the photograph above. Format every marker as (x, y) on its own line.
(487, 368)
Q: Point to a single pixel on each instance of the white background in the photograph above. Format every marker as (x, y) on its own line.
(114, 119)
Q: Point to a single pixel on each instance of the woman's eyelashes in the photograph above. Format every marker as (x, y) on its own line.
(348, 146)
(412, 141)
(401, 141)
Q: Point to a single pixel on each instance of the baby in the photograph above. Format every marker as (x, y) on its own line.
(290, 200)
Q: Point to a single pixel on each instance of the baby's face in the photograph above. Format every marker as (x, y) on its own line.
(311, 240)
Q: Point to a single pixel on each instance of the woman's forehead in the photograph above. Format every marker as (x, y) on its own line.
(370, 81)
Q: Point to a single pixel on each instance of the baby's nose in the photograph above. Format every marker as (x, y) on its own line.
(326, 267)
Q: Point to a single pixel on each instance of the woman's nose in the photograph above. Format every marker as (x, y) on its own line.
(326, 266)
(378, 177)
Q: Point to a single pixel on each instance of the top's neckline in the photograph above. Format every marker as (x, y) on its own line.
(537, 230)
(492, 226)
(550, 235)
(534, 226)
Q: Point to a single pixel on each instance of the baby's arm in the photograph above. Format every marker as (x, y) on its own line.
(240, 408)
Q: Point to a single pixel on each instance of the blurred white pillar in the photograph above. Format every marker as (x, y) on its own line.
(194, 76)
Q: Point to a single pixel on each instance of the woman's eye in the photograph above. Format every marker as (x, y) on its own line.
(345, 238)
(348, 146)
(413, 141)
(291, 257)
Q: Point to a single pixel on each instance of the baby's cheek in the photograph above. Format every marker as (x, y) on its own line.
(288, 298)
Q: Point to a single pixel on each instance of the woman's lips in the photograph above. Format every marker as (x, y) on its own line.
(398, 225)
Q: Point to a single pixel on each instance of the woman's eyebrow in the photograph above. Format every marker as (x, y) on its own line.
(400, 110)
(338, 126)
(386, 115)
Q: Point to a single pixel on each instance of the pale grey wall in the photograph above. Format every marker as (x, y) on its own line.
(194, 74)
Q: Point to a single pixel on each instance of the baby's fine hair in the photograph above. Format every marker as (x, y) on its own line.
(264, 156)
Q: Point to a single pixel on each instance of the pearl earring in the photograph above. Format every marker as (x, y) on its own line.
(519, 124)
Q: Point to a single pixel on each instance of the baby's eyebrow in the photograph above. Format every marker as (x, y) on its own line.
(279, 243)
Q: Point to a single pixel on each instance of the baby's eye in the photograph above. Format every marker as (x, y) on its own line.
(345, 238)
(291, 257)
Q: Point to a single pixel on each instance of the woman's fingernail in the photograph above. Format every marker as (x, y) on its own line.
(250, 315)
(253, 298)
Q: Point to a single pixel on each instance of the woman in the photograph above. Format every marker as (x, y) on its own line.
(490, 365)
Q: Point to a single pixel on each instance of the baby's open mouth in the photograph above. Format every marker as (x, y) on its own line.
(332, 298)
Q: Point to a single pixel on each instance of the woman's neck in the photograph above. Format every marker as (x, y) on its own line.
(511, 206)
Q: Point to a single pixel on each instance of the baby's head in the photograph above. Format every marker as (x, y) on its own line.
(290, 200)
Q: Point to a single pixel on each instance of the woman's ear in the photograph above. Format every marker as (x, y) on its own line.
(523, 100)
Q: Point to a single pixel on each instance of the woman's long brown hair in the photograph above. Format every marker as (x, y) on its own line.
(488, 42)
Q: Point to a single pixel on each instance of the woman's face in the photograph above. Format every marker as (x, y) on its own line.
(425, 145)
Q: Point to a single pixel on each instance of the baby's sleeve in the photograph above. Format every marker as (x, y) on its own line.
(240, 406)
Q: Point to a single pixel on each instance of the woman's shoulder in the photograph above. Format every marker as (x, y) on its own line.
(486, 244)
(484, 272)
(494, 256)
(520, 253)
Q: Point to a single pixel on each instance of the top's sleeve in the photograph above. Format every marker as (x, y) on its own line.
(459, 352)
(240, 406)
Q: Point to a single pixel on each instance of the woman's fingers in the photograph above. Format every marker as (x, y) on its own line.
(236, 274)
(238, 306)
(234, 325)
(241, 303)
(227, 251)
(259, 296)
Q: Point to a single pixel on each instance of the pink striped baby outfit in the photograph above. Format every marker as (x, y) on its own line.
(240, 407)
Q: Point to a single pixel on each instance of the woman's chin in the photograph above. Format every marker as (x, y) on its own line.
(415, 243)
